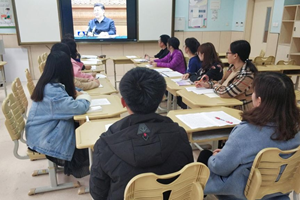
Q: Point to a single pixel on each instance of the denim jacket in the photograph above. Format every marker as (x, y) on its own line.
(50, 126)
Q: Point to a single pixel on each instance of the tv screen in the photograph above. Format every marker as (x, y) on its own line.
(99, 21)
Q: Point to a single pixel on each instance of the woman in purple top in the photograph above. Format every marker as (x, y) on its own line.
(174, 60)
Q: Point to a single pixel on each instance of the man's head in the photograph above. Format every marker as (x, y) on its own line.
(142, 90)
(162, 42)
(99, 10)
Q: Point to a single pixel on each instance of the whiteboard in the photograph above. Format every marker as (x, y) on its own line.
(155, 17)
(37, 21)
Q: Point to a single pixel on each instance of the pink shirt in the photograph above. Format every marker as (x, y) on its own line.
(77, 66)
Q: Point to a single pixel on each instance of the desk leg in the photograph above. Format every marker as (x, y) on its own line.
(174, 102)
(3, 79)
(84, 190)
(169, 102)
(297, 83)
(115, 75)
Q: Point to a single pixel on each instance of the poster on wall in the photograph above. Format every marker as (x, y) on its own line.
(198, 14)
(6, 13)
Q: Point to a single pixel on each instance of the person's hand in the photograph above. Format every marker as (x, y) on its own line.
(185, 76)
(154, 64)
(147, 57)
(94, 74)
(216, 85)
(199, 84)
(88, 67)
(151, 62)
(97, 81)
(103, 34)
(78, 93)
(216, 151)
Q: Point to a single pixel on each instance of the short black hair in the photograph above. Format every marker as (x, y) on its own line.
(174, 42)
(99, 5)
(142, 89)
(164, 39)
(61, 47)
(72, 46)
(192, 44)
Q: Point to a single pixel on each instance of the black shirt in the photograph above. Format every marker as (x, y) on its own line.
(162, 53)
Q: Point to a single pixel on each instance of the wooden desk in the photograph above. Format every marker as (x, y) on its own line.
(98, 69)
(2, 63)
(194, 100)
(99, 62)
(224, 61)
(120, 60)
(208, 134)
(222, 55)
(267, 68)
(297, 93)
(115, 109)
(107, 88)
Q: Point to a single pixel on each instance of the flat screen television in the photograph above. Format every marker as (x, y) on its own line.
(96, 21)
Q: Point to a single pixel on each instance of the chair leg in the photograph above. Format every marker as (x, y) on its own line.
(53, 181)
(295, 196)
(44, 171)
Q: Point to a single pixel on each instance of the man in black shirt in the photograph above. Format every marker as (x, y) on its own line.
(162, 42)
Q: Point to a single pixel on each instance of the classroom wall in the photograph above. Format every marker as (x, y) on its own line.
(239, 15)
(277, 16)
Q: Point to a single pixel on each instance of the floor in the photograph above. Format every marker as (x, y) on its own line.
(16, 179)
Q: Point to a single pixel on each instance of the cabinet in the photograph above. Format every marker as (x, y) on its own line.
(289, 38)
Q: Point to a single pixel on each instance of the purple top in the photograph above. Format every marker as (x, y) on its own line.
(174, 61)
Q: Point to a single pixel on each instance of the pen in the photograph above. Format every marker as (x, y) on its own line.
(224, 120)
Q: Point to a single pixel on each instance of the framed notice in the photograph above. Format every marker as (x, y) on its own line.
(7, 19)
(197, 13)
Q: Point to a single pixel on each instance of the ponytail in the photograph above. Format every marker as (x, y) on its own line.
(251, 66)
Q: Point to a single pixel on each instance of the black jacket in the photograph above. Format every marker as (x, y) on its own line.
(134, 145)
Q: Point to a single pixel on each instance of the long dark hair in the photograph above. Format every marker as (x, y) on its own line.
(210, 56)
(174, 42)
(58, 69)
(242, 48)
(278, 105)
(192, 44)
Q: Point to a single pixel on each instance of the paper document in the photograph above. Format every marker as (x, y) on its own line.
(172, 74)
(208, 119)
(100, 76)
(184, 82)
(140, 60)
(100, 86)
(212, 95)
(163, 70)
(200, 90)
(107, 126)
(149, 65)
(93, 67)
(131, 56)
(90, 62)
(88, 57)
(94, 109)
(99, 102)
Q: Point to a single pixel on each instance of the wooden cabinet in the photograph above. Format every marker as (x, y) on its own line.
(289, 38)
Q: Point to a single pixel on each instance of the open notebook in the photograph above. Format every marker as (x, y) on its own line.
(96, 104)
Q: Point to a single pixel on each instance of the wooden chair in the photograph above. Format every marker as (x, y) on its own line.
(40, 60)
(289, 62)
(266, 176)
(30, 84)
(42, 66)
(187, 60)
(15, 125)
(189, 185)
(19, 93)
(259, 60)
(262, 53)
(270, 60)
(44, 56)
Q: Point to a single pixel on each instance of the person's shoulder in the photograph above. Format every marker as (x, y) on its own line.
(106, 19)
(54, 89)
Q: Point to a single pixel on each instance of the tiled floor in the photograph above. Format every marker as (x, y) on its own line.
(16, 179)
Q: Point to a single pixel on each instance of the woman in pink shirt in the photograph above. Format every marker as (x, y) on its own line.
(174, 60)
(77, 66)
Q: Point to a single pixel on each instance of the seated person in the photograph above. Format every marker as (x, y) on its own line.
(174, 60)
(101, 25)
(237, 82)
(141, 142)
(77, 66)
(212, 67)
(272, 122)
(162, 43)
(81, 83)
(50, 128)
(191, 47)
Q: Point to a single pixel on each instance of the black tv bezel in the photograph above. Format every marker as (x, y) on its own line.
(67, 23)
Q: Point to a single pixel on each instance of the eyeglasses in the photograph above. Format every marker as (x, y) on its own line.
(228, 53)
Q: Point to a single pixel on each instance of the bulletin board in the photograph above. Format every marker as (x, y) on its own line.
(6, 14)
(198, 13)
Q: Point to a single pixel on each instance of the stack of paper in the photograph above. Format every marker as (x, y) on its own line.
(90, 62)
(96, 104)
(200, 90)
(172, 74)
(88, 57)
(163, 70)
(140, 60)
(100, 76)
(208, 119)
(131, 56)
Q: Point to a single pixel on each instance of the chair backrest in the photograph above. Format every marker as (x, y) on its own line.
(40, 60)
(189, 184)
(262, 53)
(44, 56)
(42, 66)
(30, 84)
(270, 173)
(270, 60)
(14, 120)
(259, 60)
(289, 62)
(19, 93)
(187, 60)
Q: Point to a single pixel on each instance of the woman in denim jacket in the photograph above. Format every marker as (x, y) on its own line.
(50, 126)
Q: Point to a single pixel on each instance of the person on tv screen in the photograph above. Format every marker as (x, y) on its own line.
(101, 25)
